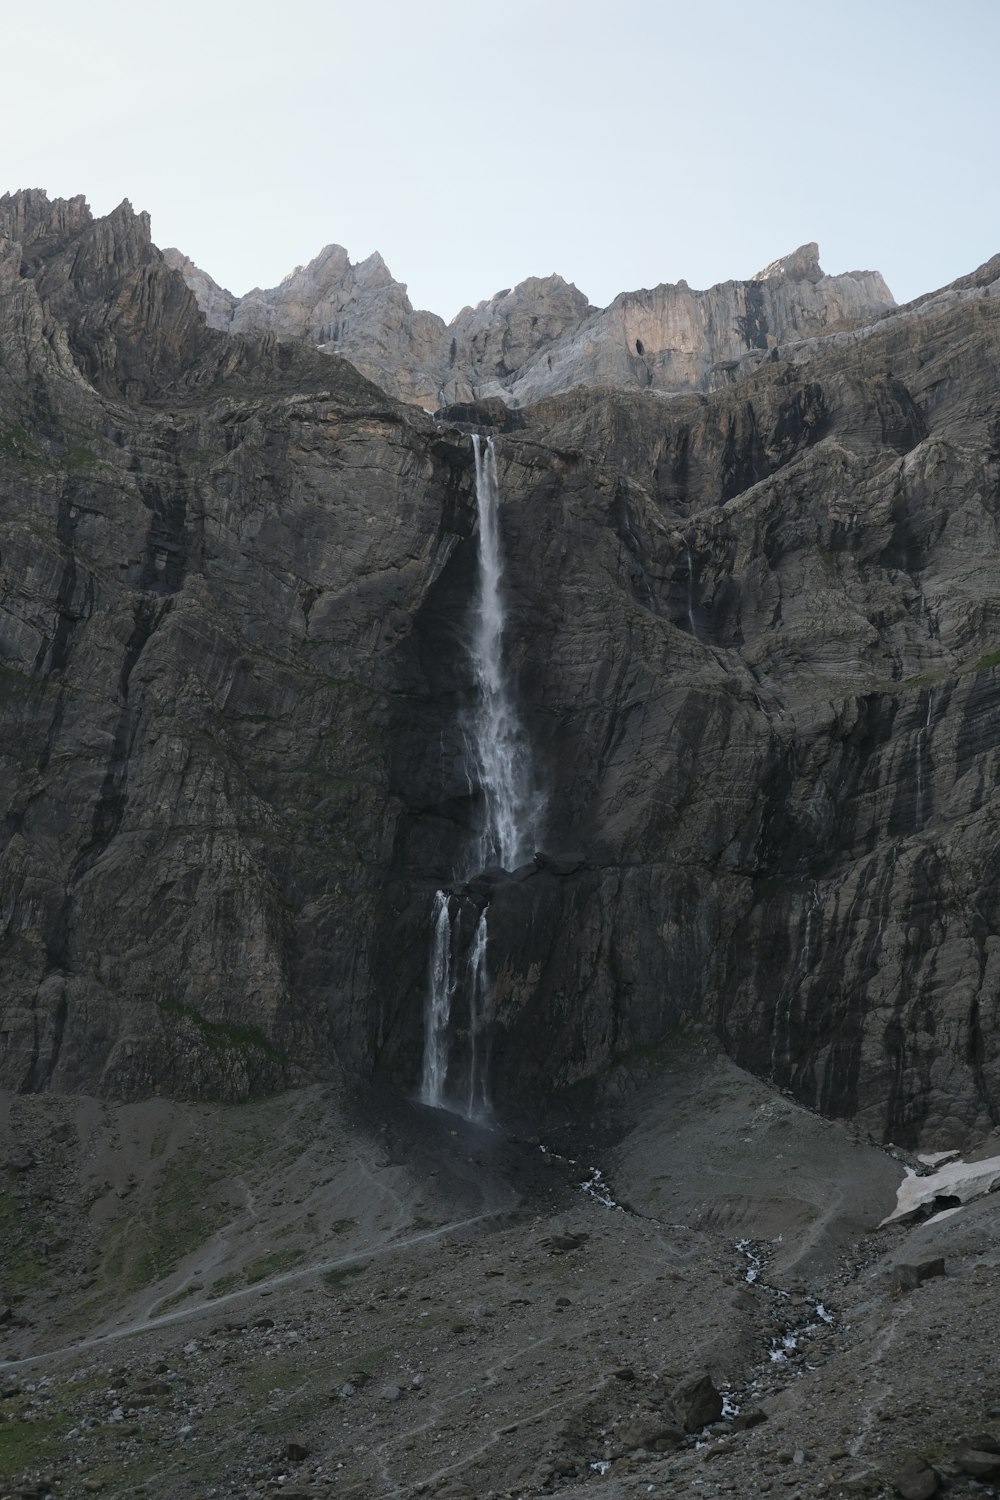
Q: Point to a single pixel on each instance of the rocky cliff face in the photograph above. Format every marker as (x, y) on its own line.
(543, 337)
(754, 640)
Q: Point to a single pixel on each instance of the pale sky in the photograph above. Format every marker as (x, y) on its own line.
(621, 143)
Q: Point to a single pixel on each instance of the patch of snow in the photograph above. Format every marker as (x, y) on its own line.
(957, 1179)
(937, 1158)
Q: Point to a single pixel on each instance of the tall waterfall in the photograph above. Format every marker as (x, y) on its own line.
(458, 977)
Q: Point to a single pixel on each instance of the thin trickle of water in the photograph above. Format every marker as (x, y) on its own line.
(478, 1104)
(690, 591)
(781, 1025)
(498, 767)
(805, 957)
(922, 734)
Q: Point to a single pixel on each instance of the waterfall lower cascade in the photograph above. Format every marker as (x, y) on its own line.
(458, 990)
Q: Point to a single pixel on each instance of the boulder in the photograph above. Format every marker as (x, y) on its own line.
(916, 1481)
(977, 1462)
(906, 1278)
(698, 1403)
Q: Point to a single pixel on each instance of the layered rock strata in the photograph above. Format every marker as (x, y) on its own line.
(755, 642)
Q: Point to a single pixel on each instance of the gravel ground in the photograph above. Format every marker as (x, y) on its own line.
(302, 1297)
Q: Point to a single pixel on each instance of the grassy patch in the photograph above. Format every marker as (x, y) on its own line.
(223, 1036)
(337, 1278)
(18, 446)
(25, 1444)
(987, 663)
(173, 1301)
(272, 1265)
(228, 1283)
(179, 1216)
(341, 1226)
(20, 1269)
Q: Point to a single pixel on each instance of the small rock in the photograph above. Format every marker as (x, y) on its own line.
(983, 1442)
(750, 1416)
(907, 1278)
(651, 1431)
(391, 1393)
(561, 1244)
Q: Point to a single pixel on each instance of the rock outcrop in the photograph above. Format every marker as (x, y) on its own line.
(754, 639)
(543, 337)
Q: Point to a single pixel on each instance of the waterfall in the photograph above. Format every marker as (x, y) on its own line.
(477, 1101)
(496, 741)
(440, 991)
(499, 767)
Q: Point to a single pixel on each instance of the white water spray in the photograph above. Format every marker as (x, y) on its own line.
(440, 989)
(499, 767)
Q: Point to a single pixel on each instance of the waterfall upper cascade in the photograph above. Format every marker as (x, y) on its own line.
(458, 991)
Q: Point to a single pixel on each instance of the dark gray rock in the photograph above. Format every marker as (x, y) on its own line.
(982, 1442)
(655, 1432)
(561, 864)
(562, 1244)
(916, 1481)
(698, 1403)
(750, 1416)
(977, 1463)
(907, 1278)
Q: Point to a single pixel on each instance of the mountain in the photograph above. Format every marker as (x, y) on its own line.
(752, 636)
(543, 337)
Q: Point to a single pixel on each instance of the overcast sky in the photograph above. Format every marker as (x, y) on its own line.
(621, 143)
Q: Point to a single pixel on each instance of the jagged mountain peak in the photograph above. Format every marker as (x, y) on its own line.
(801, 265)
(543, 335)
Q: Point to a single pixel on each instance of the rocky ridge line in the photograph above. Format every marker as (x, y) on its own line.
(543, 336)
